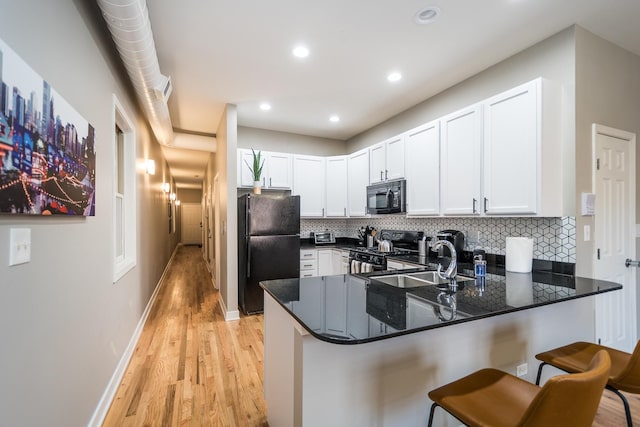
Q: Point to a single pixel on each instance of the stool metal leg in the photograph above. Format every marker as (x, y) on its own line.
(627, 410)
(540, 372)
(433, 408)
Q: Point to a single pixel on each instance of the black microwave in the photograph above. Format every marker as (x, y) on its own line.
(387, 197)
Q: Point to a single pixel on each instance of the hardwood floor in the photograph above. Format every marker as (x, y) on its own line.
(191, 368)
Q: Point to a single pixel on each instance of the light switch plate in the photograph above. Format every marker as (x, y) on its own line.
(19, 246)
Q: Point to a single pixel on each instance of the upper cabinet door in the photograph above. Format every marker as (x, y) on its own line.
(395, 158)
(422, 146)
(358, 173)
(337, 180)
(377, 162)
(309, 184)
(511, 150)
(461, 152)
(279, 172)
(245, 162)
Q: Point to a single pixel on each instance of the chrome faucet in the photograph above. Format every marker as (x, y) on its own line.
(451, 271)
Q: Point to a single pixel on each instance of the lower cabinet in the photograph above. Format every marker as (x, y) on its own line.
(325, 265)
(308, 263)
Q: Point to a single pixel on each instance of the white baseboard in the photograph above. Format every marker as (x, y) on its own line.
(228, 315)
(97, 419)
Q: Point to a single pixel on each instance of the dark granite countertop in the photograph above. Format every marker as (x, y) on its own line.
(354, 309)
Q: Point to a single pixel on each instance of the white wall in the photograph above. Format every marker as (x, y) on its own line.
(607, 93)
(63, 324)
(284, 142)
(551, 59)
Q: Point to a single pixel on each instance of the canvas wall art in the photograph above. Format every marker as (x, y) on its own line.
(47, 149)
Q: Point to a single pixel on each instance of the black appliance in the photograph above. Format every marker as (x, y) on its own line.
(455, 237)
(404, 243)
(268, 245)
(387, 197)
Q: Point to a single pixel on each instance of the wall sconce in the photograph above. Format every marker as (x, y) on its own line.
(166, 187)
(177, 202)
(172, 196)
(150, 166)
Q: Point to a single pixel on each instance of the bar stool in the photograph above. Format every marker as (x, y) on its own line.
(490, 397)
(625, 367)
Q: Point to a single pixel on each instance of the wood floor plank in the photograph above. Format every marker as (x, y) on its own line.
(192, 368)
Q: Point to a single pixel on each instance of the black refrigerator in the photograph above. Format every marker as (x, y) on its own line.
(268, 245)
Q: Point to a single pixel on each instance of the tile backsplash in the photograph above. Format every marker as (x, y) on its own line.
(554, 239)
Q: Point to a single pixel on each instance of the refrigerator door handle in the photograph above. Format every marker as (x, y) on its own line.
(248, 261)
(247, 215)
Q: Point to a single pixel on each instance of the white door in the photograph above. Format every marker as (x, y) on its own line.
(512, 131)
(461, 149)
(358, 173)
(423, 169)
(395, 158)
(336, 188)
(614, 184)
(377, 162)
(309, 184)
(191, 224)
(279, 173)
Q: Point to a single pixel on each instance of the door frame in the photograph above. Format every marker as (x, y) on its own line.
(630, 241)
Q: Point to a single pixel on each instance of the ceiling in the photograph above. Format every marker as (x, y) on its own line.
(240, 52)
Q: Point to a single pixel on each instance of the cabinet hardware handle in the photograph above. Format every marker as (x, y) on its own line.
(380, 175)
(386, 172)
(308, 265)
(264, 182)
(485, 205)
(322, 211)
(270, 185)
(474, 205)
(345, 211)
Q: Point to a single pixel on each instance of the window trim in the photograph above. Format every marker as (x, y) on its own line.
(123, 264)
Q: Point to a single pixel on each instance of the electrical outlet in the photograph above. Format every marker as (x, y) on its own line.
(521, 370)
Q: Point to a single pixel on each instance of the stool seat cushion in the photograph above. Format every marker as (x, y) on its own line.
(488, 397)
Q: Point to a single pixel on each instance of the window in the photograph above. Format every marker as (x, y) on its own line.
(124, 173)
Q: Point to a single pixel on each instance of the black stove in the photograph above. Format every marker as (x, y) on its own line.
(376, 258)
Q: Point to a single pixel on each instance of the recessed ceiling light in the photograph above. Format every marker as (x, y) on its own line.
(265, 106)
(300, 52)
(394, 77)
(426, 15)
(334, 119)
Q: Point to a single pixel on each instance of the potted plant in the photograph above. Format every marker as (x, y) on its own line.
(256, 170)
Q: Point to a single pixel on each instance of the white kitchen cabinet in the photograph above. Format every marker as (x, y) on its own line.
(358, 179)
(279, 171)
(325, 262)
(386, 160)
(339, 261)
(511, 143)
(461, 152)
(336, 305)
(276, 170)
(308, 262)
(337, 186)
(422, 151)
(309, 184)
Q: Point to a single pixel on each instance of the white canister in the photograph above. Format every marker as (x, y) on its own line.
(519, 254)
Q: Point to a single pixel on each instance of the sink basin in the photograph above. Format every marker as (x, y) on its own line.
(414, 280)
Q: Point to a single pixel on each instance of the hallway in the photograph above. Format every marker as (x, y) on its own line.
(190, 367)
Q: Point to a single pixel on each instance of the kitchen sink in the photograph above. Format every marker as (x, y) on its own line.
(414, 280)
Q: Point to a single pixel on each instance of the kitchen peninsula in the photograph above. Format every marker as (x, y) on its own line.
(351, 350)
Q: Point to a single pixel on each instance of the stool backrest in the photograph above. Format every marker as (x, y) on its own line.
(630, 375)
(570, 399)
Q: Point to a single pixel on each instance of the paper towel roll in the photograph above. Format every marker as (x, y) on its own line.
(519, 254)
